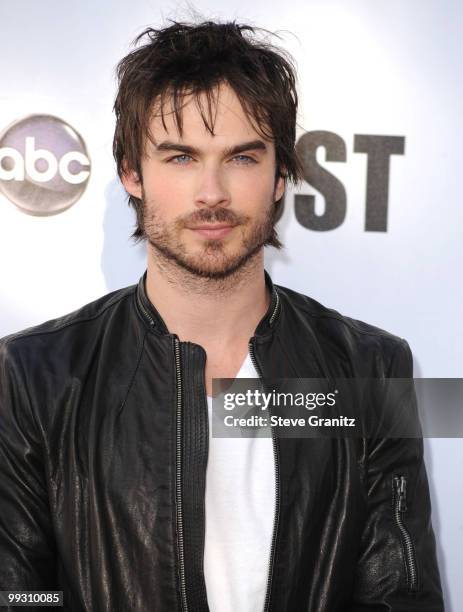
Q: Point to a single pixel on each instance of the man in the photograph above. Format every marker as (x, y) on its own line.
(112, 488)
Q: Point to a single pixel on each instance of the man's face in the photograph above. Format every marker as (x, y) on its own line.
(208, 200)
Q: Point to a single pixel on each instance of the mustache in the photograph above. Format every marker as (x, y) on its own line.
(218, 215)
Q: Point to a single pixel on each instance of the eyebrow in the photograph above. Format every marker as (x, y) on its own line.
(252, 145)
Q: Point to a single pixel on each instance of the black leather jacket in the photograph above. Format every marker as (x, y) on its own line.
(103, 453)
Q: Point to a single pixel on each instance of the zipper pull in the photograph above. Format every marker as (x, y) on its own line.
(401, 488)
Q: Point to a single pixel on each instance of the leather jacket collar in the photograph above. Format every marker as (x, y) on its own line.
(154, 320)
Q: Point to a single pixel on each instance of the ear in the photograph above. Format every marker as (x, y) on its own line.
(280, 188)
(131, 182)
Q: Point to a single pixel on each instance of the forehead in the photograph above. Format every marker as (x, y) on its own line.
(217, 114)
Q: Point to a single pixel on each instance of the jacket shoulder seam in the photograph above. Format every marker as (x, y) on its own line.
(349, 322)
(27, 334)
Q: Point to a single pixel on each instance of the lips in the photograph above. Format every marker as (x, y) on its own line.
(212, 226)
(214, 230)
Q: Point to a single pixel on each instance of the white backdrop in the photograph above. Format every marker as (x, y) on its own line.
(374, 68)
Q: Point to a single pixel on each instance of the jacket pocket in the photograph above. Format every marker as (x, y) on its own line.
(399, 505)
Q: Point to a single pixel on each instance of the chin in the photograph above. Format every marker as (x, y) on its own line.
(216, 267)
(212, 259)
(209, 269)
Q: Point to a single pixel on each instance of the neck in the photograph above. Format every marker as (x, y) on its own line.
(219, 313)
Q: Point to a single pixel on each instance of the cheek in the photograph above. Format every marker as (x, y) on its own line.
(253, 194)
(170, 200)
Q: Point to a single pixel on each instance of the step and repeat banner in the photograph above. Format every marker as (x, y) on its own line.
(373, 231)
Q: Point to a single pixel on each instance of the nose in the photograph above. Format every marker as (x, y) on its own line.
(211, 189)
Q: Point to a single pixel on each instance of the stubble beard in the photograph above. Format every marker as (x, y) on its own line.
(213, 261)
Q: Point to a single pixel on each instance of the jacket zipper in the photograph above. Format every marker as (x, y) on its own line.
(178, 466)
(277, 475)
(400, 507)
(178, 479)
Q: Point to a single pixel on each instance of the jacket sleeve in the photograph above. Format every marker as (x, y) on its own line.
(27, 555)
(397, 569)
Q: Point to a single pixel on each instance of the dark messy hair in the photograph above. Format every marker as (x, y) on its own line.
(184, 59)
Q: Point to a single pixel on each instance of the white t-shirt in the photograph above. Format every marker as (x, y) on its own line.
(240, 510)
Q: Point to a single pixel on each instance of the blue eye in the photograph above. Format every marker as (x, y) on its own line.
(179, 159)
(245, 159)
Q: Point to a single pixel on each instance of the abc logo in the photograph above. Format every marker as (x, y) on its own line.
(44, 165)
